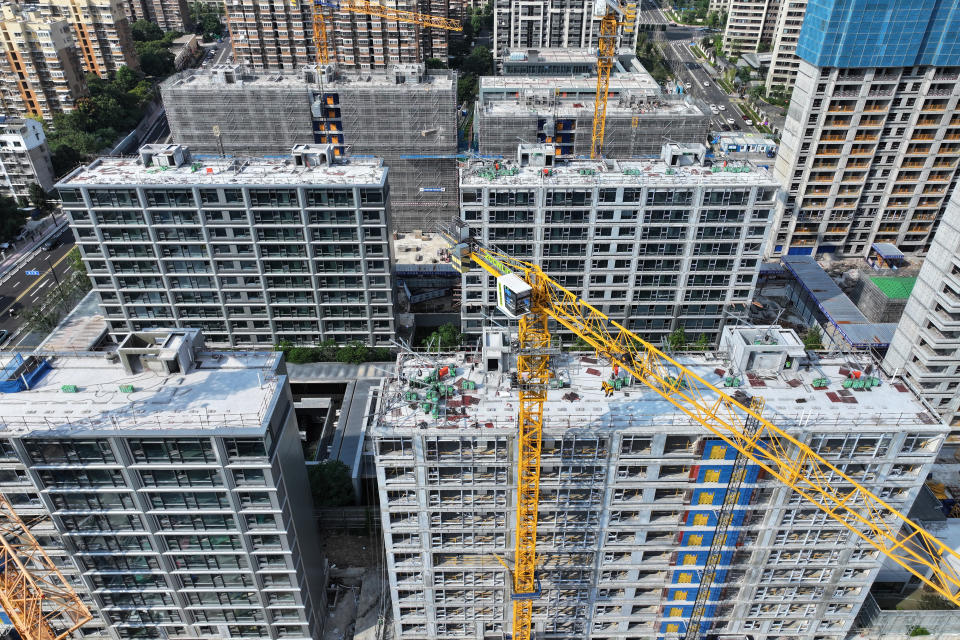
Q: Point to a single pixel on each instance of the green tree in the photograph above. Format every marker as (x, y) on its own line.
(353, 353)
(579, 344)
(479, 62)
(125, 79)
(12, 219)
(206, 20)
(702, 343)
(39, 198)
(466, 88)
(435, 63)
(330, 484)
(744, 74)
(444, 337)
(677, 340)
(144, 30)
(813, 339)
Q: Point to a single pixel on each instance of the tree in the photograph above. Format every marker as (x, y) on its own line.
(144, 31)
(353, 353)
(479, 62)
(125, 79)
(744, 74)
(677, 340)
(466, 88)
(39, 198)
(812, 339)
(206, 20)
(445, 336)
(435, 63)
(330, 484)
(12, 219)
(702, 343)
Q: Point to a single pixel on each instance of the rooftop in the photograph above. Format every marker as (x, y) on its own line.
(94, 392)
(330, 78)
(226, 170)
(482, 399)
(646, 172)
(839, 310)
(893, 287)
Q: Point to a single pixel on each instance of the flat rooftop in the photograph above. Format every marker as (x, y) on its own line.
(614, 172)
(485, 400)
(895, 288)
(239, 78)
(224, 390)
(219, 170)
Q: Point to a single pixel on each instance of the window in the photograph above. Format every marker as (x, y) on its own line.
(179, 450)
(246, 448)
(43, 451)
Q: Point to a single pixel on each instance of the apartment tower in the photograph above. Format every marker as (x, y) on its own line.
(24, 158)
(871, 143)
(784, 61)
(750, 23)
(40, 70)
(174, 481)
(657, 245)
(407, 116)
(281, 35)
(101, 31)
(925, 350)
(541, 24)
(254, 251)
(630, 491)
(169, 15)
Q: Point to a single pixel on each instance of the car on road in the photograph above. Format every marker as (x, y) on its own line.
(52, 243)
(725, 127)
(748, 121)
(723, 108)
(735, 126)
(730, 121)
(688, 85)
(4, 334)
(706, 84)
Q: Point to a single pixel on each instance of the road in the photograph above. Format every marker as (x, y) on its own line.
(19, 292)
(223, 53)
(676, 41)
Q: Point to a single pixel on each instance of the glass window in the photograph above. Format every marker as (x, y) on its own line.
(44, 451)
(245, 448)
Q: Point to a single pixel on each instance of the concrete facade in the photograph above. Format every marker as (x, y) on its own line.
(24, 157)
(541, 24)
(750, 22)
(867, 155)
(653, 245)
(101, 30)
(784, 61)
(624, 527)
(262, 33)
(179, 496)
(926, 347)
(40, 69)
(253, 251)
(405, 116)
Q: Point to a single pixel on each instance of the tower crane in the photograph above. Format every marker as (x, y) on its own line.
(526, 293)
(608, 12)
(36, 597)
(370, 9)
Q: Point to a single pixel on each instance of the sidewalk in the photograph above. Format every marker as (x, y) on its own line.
(38, 232)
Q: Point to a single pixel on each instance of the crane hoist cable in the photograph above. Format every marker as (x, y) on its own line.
(526, 292)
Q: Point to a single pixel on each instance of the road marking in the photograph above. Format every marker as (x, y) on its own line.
(35, 282)
(15, 284)
(45, 283)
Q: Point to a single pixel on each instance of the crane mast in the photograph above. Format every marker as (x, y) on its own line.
(525, 292)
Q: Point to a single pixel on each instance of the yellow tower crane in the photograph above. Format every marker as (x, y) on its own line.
(36, 597)
(525, 292)
(370, 9)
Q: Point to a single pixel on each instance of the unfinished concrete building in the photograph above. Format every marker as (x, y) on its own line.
(629, 488)
(168, 482)
(406, 116)
(656, 244)
(559, 110)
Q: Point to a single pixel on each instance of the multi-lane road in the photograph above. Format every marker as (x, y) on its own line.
(676, 41)
(20, 290)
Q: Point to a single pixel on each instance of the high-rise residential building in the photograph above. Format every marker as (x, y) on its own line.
(718, 6)
(40, 70)
(541, 24)
(172, 476)
(281, 35)
(169, 15)
(407, 116)
(24, 158)
(750, 23)
(871, 143)
(100, 29)
(630, 489)
(657, 245)
(784, 61)
(558, 109)
(925, 351)
(254, 251)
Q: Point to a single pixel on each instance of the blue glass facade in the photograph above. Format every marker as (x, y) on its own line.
(881, 33)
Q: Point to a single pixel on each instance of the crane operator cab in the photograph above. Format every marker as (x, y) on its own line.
(513, 295)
